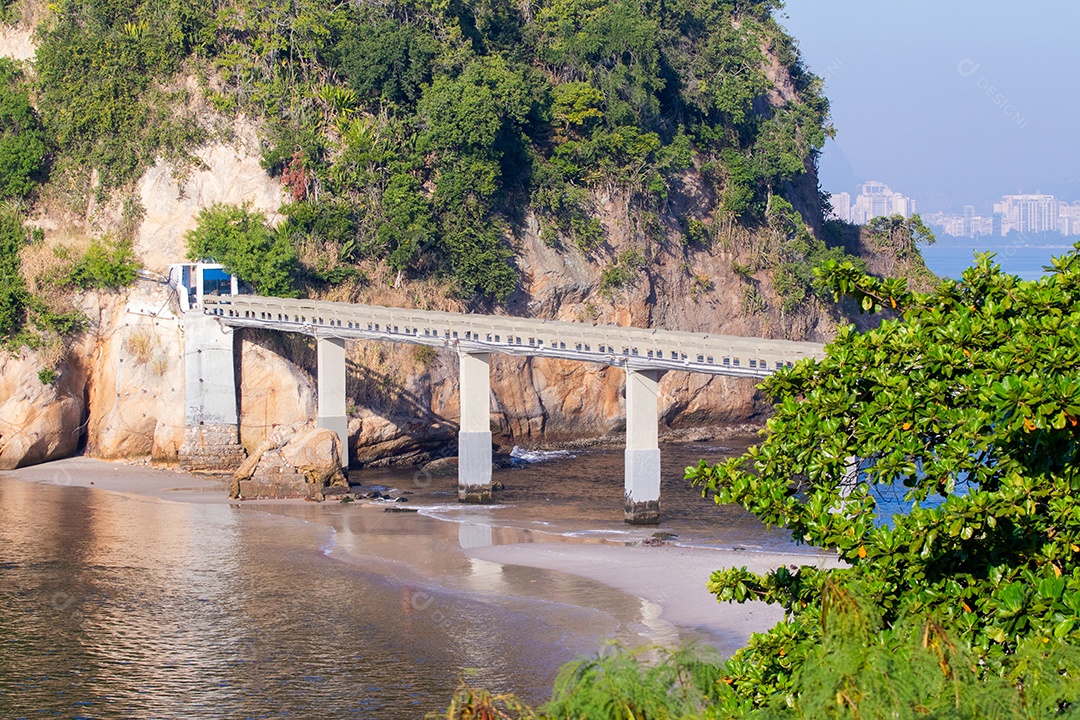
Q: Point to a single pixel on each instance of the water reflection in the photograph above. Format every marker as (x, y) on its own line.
(118, 606)
(114, 606)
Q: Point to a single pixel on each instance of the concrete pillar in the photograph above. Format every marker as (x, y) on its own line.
(474, 436)
(642, 472)
(331, 352)
(211, 430)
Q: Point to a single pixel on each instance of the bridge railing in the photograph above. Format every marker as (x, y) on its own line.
(608, 344)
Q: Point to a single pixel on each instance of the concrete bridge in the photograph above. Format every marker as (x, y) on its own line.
(645, 355)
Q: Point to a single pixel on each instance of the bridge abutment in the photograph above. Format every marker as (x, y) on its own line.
(331, 388)
(642, 456)
(211, 427)
(474, 435)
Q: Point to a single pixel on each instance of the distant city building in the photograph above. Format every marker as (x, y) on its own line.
(1069, 219)
(841, 206)
(1027, 213)
(875, 199)
(981, 227)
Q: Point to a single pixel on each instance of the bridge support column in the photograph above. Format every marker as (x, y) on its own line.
(474, 436)
(331, 353)
(642, 472)
(211, 427)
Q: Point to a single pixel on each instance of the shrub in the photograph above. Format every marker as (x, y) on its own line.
(13, 294)
(106, 264)
(22, 139)
(241, 240)
(622, 272)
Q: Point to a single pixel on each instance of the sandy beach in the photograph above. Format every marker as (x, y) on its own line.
(667, 603)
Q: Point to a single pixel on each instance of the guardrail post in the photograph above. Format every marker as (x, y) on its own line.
(331, 353)
(474, 435)
(642, 472)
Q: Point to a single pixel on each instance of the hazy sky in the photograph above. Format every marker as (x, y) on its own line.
(952, 102)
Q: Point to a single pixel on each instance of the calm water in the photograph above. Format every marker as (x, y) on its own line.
(113, 606)
(947, 259)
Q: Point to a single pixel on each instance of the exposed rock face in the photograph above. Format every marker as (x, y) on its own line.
(230, 174)
(136, 378)
(17, 41)
(120, 386)
(38, 421)
(274, 392)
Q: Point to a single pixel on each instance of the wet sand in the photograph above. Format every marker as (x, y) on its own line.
(665, 586)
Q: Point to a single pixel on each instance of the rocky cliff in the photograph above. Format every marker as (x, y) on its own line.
(682, 262)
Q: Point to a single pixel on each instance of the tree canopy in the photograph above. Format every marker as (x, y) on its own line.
(960, 420)
(240, 239)
(22, 138)
(442, 125)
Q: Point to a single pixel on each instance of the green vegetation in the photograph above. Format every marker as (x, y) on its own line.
(105, 264)
(969, 405)
(621, 273)
(963, 603)
(41, 312)
(22, 139)
(796, 253)
(242, 241)
(13, 294)
(900, 234)
(421, 135)
(102, 70)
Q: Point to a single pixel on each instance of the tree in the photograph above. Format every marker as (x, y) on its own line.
(902, 234)
(13, 293)
(22, 139)
(968, 407)
(240, 239)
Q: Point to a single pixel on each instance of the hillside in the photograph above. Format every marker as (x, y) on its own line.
(624, 162)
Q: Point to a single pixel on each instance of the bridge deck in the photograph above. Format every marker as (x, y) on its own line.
(629, 347)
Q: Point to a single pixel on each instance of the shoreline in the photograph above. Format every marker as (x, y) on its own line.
(668, 603)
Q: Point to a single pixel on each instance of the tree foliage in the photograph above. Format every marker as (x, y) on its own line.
(241, 240)
(22, 139)
(13, 293)
(443, 125)
(963, 419)
(101, 65)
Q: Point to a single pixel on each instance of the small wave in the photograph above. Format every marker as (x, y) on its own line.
(593, 533)
(528, 457)
(330, 544)
(453, 513)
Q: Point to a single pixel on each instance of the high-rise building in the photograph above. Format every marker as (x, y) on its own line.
(1027, 213)
(969, 215)
(876, 199)
(841, 206)
(981, 227)
(968, 225)
(1069, 219)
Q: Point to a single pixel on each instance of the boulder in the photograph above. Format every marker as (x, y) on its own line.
(39, 421)
(316, 452)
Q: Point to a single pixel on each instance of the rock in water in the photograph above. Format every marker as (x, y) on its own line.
(316, 453)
